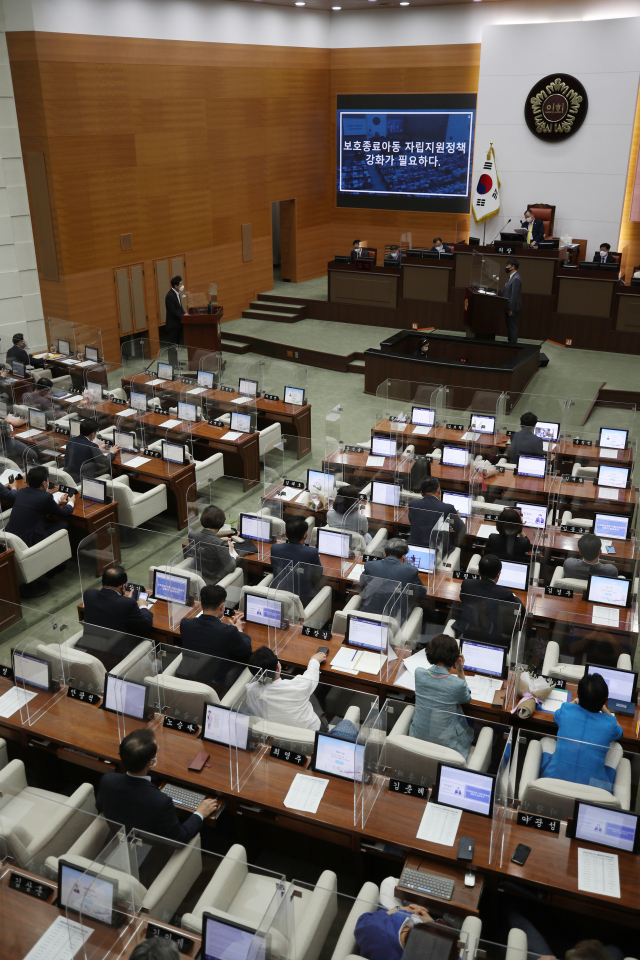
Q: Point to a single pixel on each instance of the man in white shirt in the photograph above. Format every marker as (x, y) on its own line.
(279, 700)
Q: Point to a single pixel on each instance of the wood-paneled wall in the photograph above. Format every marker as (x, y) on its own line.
(629, 240)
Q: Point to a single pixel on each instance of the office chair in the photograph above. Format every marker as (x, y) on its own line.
(547, 213)
(34, 562)
(134, 509)
(84, 670)
(209, 469)
(572, 671)
(568, 520)
(315, 614)
(184, 698)
(268, 438)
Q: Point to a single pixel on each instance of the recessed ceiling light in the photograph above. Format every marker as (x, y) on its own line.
(404, 3)
(336, 8)
(299, 3)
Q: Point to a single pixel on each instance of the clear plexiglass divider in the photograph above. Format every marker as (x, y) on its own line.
(233, 496)
(226, 407)
(296, 473)
(95, 483)
(279, 378)
(98, 381)
(39, 666)
(405, 411)
(585, 414)
(79, 336)
(379, 624)
(553, 414)
(346, 538)
(516, 949)
(441, 757)
(273, 608)
(464, 412)
(180, 580)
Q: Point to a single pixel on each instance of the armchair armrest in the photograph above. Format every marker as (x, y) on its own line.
(481, 754)
(531, 766)
(13, 779)
(366, 902)
(624, 662)
(4, 757)
(472, 927)
(402, 724)
(622, 784)
(377, 544)
(233, 579)
(551, 658)
(410, 630)
(318, 917)
(319, 608)
(174, 881)
(516, 945)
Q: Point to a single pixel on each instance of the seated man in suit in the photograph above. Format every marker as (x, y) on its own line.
(534, 228)
(482, 611)
(395, 253)
(358, 252)
(213, 559)
(525, 442)
(132, 799)
(439, 246)
(14, 449)
(19, 352)
(296, 551)
(39, 398)
(424, 514)
(85, 457)
(603, 255)
(588, 564)
(33, 506)
(394, 569)
(208, 634)
(114, 607)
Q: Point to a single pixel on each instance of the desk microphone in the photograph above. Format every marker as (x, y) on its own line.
(501, 229)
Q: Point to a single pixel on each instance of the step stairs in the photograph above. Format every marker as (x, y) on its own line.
(234, 346)
(279, 309)
(355, 366)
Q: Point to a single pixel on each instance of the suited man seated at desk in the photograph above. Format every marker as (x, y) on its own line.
(114, 606)
(208, 634)
(424, 514)
(441, 689)
(288, 701)
(86, 458)
(358, 252)
(393, 569)
(15, 449)
(602, 255)
(534, 228)
(212, 551)
(395, 253)
(439, 246)
(296, 551)
(589, 563)
(508, 543)
(19, 352)
(525, 442)
(487, 608)
(33, 507)
(132, 799)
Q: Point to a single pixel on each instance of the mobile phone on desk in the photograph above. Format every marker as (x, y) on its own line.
(199, 761)
(465, 848)
(520, 855)
(610, 548)
(324, 650)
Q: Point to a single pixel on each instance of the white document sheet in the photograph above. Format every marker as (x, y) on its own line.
(305, 793)
(405, 679)
(356, 572)
(231, 435)
(62, 941)
(483, 688)
(152, 383)
(13, 699)
(485, 531)
(606, 616)
(375, 461)
(608, 493)
(169, 424)
(87, 363)
(70, 362)
(197, 390)
(242, 399)
(287, 494)
(469, 435)
(439, 824)
(78, 399)
(608, 452)
(28, 433)
(417, 660)
(422, 431)
(345, 659)
(598, 872)
(136, 462)
(554, 701)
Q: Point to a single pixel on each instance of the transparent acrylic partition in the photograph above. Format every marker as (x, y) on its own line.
(485, 274)
(227, 408)
(51, 453)
(234, 496)
(209, 372)
(98, 380)
(516, 949)
(95, 487)
(279, 378)
(590, 415)
(408, 743)
(127, 693)
(144, 355)
(273, 608)
(376, 622)
(180, 580)
(40, 669)
(103, 547)
(296, 473)
(465, 412)
(241, 728)
(310, 586)
(406, 404)
(463, 228)
(78, 335)
(553, 413)
(346, 538)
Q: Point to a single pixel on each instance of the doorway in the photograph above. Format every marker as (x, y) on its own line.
(283, 232)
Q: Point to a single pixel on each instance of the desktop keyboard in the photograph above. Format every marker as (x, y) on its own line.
(427, 883)
(186, 798)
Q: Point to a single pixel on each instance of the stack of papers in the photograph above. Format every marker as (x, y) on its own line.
(405, 679)
(152, 383)
(416, 660)
(70, 361)
(78, 399)
(242, 399)
(356, 572)
(61, 941)
(555, 700)
(359, 661)
(483, 688)
(197, 390)
(469, 435)
(422, 431)
(598, 872)
(439, 824)
(170, 424)
(305, 793)
(231, 435)
(86, 363)
(608, 452)
(287, 493)
(606, 616)
(13, 699)
(485, 531)
(28, 433)
(608, 493)
(375, 461)
(136, 462)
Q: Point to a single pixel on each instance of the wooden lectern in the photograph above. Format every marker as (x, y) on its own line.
(201, 334)
(484, 314)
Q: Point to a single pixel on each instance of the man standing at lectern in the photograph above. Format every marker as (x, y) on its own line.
(512, 290)
(175, 313)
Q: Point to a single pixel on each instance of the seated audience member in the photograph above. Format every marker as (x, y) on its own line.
(212, 551)
(15, 449)
(602, 255)
(208, 634)
(439, 246)
(422, 351)
(525, 442)
(19, 352)
(85, 457)
(424, 513)
(589, 563)
(439, 717)
(345, 514)
(375, 597)
(383, 935)
(33, 506)
(586, 730)
(283, 701)
(296, 551)
(132, 799)
(113, 606)
(39, 398)
(508, 543)
(156, 948)
(481, 602)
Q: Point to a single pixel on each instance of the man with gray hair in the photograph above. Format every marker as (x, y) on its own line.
(156, 948)
(394, 569)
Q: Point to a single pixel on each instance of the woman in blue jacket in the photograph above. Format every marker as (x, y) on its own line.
(439, 717)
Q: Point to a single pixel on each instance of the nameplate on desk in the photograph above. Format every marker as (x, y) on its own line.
(397, 419)
(348, 448)
(174, 724)
(33, 887)
(289, 755)
(229, 611)
(463, 575)
(558, 592)
(6, 672)
(509, 433)
(216, 423)
(83, 695)
(491, 516)
(455, 426)
(228, 389)
(582, 443)
(296, 484)
(183, 943)
(317, 634)
(538, 822)
(565, 528)
(271, 396)
(363, 265)
(408, 789)
(567, 478)
(367, 557)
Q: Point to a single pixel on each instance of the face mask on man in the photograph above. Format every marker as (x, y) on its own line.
(603, 253)
(181, 287)
(438, 246)
(507, 269)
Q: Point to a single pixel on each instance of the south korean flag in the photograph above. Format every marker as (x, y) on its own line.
(486, 196)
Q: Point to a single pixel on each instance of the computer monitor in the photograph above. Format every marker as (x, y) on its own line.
(263, 610)
(229, 940)
(241, 422)
(86, 892)
(615, 439)
(609, 526)
(165, 371)
(255, 528)
(485, 658)
(138, 401)
(205, 379)
(187, 411)
(37, 419)
(454, 457)
(319, 481)
(126, 441)
(339, 758)
(423, 416)
(549, 244)
(32, 670)
(171, 587)
(388, 493)
(547, 429)
(609, 590)
(91, 353)
(610, 828)
(333, 544)
(94, 390)
(366, 634)
(64, 347)
(17, 369)
(532, 467)
(219, 725)
(480, 423)
(465, 789)
(294, 395)
(622, 684)
(460, 501)
(173, 452)
(533, 515)
(421, 557)
(515, 236)
(514, 575)
(599, 265)
(125, 696)
(609, 476)
(75, 427)
(383, 447)
(95, 490)
(247, 388)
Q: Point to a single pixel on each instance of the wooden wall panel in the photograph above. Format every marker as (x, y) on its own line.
(629, 240)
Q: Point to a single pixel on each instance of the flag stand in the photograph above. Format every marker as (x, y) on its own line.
(484, 235)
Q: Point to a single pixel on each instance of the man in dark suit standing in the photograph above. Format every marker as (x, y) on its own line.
(115, 608)
(296, 551)
(603, 255)
(512, 290)
(534, 228)
(525, 442)
(487, 608)
(425, 513)
(394, 569)
(174, 315)
(32, 507)
(131, 798)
